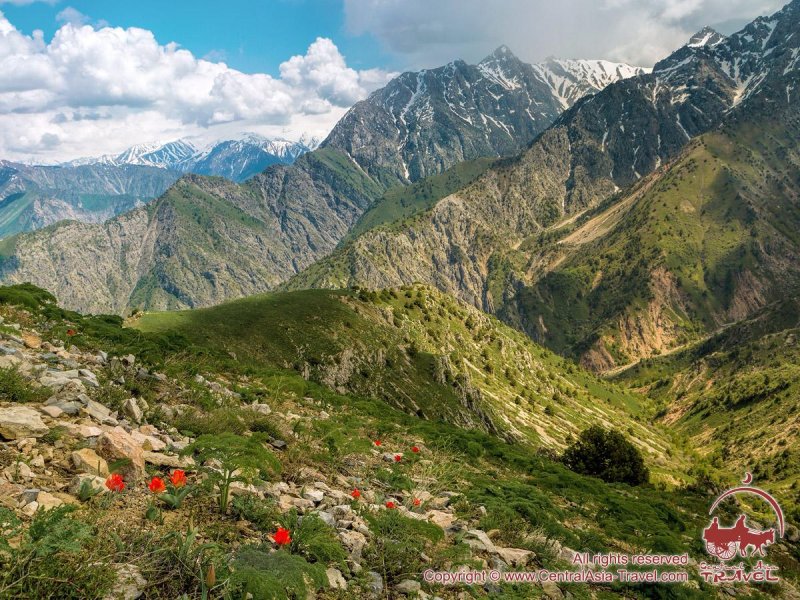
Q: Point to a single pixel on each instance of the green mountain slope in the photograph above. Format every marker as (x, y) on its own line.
(425, 353)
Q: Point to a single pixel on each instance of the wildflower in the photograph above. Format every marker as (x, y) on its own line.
(115, 483)
(157, 485)
(390, 504)
(415, 449)
(211, 576)
(417, 501)
(282, 537)
(377, 442)
(355, 494)
(71, 332)
(178, 478)
(398, 457)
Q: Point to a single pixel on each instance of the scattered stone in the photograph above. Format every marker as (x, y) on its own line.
(408, 586)
(86, 460)
(30, 509)
(31, 341)
(128, 360)
(165, 460)
(335, 579)
(98, 412)
(263, 409)
(441, 518)
(118, 444)
(354, 542)
(47, 501)
(98, 483)
(551, 590)
(515, 556)
(316, 496)
(132, 411)
(21, 421)
(52, 411)
(375, 583)
(483, 541)
(129, 585)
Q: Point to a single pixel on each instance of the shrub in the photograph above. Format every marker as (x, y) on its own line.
(397, 544)
(608, 455)
(261, 513)
(14, 387)
(275, 576)
(314, 539)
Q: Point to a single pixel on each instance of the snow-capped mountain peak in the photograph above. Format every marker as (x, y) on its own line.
(707, 36)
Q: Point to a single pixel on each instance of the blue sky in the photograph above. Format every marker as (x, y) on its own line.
(249, 35)
(89, 77)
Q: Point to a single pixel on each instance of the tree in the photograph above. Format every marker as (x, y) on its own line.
(608, 455)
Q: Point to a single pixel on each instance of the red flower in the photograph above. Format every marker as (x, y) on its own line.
(71, 332)
(377, 442)
(415, 449)
(178, 478)
(417, 501)
(282, 537)
(157, 485)
(115, 483)
(398, 457)
(355, 494)
(390, 504)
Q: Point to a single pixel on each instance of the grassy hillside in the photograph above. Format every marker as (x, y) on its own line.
(524, 499)
(423, 352)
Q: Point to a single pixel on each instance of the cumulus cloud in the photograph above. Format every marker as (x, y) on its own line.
(95, 89)
(425, 34)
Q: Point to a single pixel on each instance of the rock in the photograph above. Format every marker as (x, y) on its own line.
(408, 586)
(354, 542)
(375, 583)
(129, 584)
(263, 409)
(37, 462)
(118, 444)
(52, 411)
(98, 412)
(476, 535)
(165, 460)
(551, 590)
(18, 471)
(278, 444)
(31, 341)
(335, 579)
(47, 501)
(28, 496)
(83, 430)
(7, 362)
(21, 421)
(30, 509)
(316, 496)
(132, 411)
(439, 503)
(86, 460)
(129, 360)
(97, 483)
(516, 557)
(148, 442)
(327, 518)
(70, 407)
(441, 518)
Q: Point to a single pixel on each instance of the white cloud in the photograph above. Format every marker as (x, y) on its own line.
(92, 90)
(423, 33)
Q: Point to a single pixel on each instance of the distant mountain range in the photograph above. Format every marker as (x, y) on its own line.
(93, 190)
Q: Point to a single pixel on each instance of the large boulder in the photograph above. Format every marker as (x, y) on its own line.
(117, 444)
(21, 422)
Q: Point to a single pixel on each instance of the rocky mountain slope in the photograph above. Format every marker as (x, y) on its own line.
(33, 197)
(206, 241)
(493, 242)
(383, 494)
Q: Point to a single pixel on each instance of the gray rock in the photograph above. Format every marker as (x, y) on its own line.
(132, 411)
(20, 422)
(408, 586)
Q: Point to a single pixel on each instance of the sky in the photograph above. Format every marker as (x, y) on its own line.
(89, 77)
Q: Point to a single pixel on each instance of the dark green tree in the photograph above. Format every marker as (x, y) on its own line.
(608, 455)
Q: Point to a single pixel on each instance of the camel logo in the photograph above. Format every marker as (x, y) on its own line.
(725, 543)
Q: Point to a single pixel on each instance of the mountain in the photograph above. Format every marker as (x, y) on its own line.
(707, 36)
(33, 197)
(550, 242)
(235, 159)
(207, 240)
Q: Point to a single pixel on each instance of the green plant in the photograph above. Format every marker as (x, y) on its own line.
(14, 387)
(261, 513)
(608, 455)
(397, 544)
(87, 491)
(314, 539)
(275, 576)
(239, 458)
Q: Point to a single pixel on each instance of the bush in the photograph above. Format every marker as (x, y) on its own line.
(608, 455)
(397, 544)
(315, 540)
(276, 575)
(14, 387)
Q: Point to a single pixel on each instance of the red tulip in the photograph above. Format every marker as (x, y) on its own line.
(398, 457)
(115, 483)
(178, 478)
(282, 537)
(377, 442)
(417, 501)
(157, 485)
(390, 504)
(355, 494)
(71, 332)
(415, 449)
